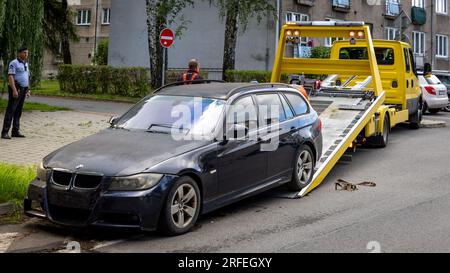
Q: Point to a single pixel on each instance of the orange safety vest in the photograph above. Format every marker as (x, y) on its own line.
(193, 76)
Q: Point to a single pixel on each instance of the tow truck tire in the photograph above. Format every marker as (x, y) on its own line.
(303, 169)
(416, 119)
(382, 140)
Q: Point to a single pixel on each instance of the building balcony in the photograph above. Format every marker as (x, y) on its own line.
(309, 3)
(418, 16)
(341, 5)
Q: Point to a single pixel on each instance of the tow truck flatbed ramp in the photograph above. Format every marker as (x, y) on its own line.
(343, 120)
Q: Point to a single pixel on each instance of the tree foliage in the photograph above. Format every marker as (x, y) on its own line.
(59, 28)
(160, 14)
(237, 14)
(23, 25)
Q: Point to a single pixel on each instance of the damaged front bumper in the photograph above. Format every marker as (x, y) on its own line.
(96, 207)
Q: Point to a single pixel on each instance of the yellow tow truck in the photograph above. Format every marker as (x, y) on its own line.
(371, 85)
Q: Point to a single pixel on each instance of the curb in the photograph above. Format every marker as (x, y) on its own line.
(6, 208)
(433, 124)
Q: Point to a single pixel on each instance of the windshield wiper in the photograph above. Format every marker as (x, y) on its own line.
(164, 126)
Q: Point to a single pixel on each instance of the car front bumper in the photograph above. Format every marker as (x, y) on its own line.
(75, 208)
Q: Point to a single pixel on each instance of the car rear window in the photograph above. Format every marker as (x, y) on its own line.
(287, 108)
(298, 103)
(431, 79)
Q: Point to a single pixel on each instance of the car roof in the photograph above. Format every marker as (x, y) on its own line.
(214, 90)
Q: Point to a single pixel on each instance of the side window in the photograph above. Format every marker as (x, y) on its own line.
(267, 104)
(413, 62)
(243, 111)
(407, 62)
(298, 103)
(287, 108)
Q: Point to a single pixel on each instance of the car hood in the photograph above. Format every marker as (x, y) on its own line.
(119, 152)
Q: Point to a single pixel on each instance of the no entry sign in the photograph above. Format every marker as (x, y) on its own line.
(166, 37)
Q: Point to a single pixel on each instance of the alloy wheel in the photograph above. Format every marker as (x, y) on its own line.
(304, 167)
(184, 206)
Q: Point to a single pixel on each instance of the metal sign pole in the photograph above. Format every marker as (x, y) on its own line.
(164, 66)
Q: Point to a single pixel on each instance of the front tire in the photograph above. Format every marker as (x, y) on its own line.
(303, 169)
(182, 207)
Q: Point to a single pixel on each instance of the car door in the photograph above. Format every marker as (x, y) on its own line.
(241, 163)
(277, 129)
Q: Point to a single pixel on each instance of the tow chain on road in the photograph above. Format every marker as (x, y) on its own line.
(347, 186)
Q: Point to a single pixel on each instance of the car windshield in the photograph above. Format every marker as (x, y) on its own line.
(197, 116)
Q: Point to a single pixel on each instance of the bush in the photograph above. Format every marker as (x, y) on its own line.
(321, 52)
(101, 53)
(14, 181)
(260, 76)
(172, 75)
(87, 79)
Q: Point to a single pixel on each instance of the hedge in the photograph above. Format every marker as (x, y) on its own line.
(88, 79)
(172, 75)
(260, 76)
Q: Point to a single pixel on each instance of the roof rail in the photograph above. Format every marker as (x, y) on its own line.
(257, 85)
(187, 82)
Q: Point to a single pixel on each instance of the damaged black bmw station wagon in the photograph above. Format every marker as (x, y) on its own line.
(151, 171)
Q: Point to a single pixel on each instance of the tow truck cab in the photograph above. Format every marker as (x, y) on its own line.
(396, 66)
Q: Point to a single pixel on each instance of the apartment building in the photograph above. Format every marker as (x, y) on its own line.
(425, 24)
(92, 20)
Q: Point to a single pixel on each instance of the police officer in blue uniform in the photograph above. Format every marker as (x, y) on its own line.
(18, 90)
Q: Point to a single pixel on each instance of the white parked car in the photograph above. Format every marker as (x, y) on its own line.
(434, 94)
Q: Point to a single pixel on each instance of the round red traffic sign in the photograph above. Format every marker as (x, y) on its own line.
(167, 37)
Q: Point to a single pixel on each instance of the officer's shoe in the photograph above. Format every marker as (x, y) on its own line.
(17, 134)
(6, 136)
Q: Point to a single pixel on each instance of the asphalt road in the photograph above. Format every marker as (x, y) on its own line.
(408, 211)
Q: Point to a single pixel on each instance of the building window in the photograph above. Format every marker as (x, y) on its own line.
(418, 3)
(330, 40)
(296, 17)
(419, 43)
(84, 17)
(345, 4)
(441, 46)
(391, 33)
(442, 6)
(392, 7)
(106, 16)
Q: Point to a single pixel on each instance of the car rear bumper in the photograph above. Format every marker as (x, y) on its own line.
(437, 103)
(137, 210)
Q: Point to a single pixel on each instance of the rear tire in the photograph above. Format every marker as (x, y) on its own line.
(182, 207)
(303, 169)
(382, 140)
(447, 108)
(416, 119)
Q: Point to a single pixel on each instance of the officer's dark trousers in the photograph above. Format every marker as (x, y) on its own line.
(14, 110)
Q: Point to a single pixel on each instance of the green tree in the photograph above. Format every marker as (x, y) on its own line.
(23, 25)
(59, 29)
(160, 14)
(237, 14)
(101, 53)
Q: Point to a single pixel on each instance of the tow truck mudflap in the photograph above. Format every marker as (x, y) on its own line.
(340, 143)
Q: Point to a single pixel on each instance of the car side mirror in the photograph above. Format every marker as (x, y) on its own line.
(113, 120)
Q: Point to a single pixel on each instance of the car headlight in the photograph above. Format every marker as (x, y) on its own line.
(135, 183)
(42, 172)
